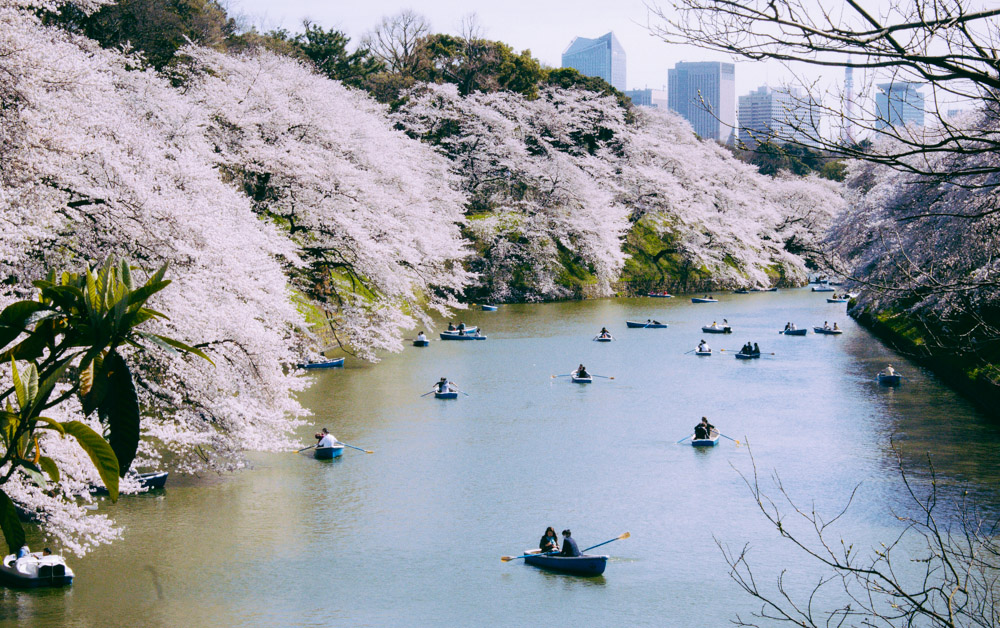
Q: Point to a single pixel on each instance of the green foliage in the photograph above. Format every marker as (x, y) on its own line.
(13, 533)
(654, 261)
(327, 50)
(80, 320)
(478, 65)
(771, 158)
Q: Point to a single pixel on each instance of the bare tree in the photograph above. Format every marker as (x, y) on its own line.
(946, 45)
(396, 41)
(931, 573)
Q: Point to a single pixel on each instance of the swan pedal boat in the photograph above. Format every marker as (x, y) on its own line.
(637, 325)
(703, 300)
(794, 332)
(35, 570)
(329, 364)
(583, 565)
(890, 380)
(452, 394)
(725, 329)
(328, 453)
(586, 379)
(829, 331)
(706, 442)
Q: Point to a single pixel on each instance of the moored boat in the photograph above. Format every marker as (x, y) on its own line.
(718, 329)
(838, 300)
(328, 453)
(829, 331)
(890, 380)
(151, 481)
(794, 332)
(586, 379)
(823, 288)
(489, 308)
(454, 335)
(638, 325)
(421, 343)
(703, 300)
(35, 570)
(329, 364)
(583, 565)
(742, 291)
(660, 295)
(451, 394)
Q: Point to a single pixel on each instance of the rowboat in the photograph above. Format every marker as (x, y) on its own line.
(829, 331)
(703, 300)
(741, 291)
(712, 441)
(489, 308)
(150, 481)
(823, 289)
(454, 335)
(446, 395)
(421, 343)
(636, 325)
(468, 330)
(586, 379)
(725, 329)
(328, 453)
(659, 295)
(709, 352)
(794, 332)
(836, 300)
(890, 380)
(747, 356)
(604, 339)
(329, 364)
(35, 570)
(583, 565)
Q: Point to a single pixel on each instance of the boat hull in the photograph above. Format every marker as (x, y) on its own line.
(51, 572)
(890, 380)
(636, 325)
(323, 365)
(741, 292)
(717, 330)
(421, 343)
(795, 332)
(659, 296)
(446, 395)
(705, 442)
(581, 380)
(454, 336)
(703, 353)
(604, 339)
(585, 565)
(828, 332)
(328, 453)
(836, 300)
(489, 308)
(701, 300)
(822, 289)
(747, 356)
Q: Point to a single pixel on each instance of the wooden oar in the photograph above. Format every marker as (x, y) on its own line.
(617, 538)
(685, 438)
(730, 438)
(566, 375)
(604, 376)
(367, 451)
(304, 448)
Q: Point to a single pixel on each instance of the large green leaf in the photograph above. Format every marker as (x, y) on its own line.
(119, 410)
(100, 453)
(13, 533)
(15, 317)
(49, 466)
(33, 472)
(183, 347)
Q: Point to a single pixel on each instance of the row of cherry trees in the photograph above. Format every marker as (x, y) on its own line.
(293, 210)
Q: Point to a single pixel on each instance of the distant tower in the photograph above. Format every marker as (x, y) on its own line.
(847, 132)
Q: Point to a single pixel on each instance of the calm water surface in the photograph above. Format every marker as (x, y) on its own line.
(412, 535)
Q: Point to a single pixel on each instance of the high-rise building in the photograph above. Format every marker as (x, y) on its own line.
(704, 93)
(779, 115)
(603, 57)
(655, 98)
(899, 104)
(847, 128)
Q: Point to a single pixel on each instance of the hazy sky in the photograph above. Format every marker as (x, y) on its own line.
(545, 27)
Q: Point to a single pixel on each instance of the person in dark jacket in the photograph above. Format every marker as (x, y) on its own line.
(569, 545)
(703, 429)
(756, 349)
(549, 542)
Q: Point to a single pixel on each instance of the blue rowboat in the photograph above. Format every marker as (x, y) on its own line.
(587, 379)
(725, 329)
(636, 325)
(747, 356)
(890, 380)
(659, 295)
(709, 352)
(828, 331)
(836, 300)
(489, 308)
(703, 300)
(446, 395)
(794, 332)
(583, 565)
(328, 453)
(421, 343)
(329, 364)
(454, 335)
(705, 442)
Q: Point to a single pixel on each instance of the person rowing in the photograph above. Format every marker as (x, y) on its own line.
(461, 326)
(889, 371)
(703, 347)
(421, 337)
(444, 386)
(747, 349)
(604, 333)
(756, 349)
(835, 328)
(325, 438)
(703, 430)
(581, 371)
(569, 545)
(788, 326)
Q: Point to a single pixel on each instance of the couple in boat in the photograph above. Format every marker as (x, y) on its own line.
(703, 430)
(750, 349)
(550, 543)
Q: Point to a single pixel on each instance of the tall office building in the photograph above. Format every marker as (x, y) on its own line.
(899, 104)
(603, 57)
(704, 93)
(779, 115)
(655, 98)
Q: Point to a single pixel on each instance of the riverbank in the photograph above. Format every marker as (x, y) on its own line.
(975, 374)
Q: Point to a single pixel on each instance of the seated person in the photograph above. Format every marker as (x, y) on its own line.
(421, 336)
(326, 439)
(581, 371)
(569, 545)
(703, 347)
(549, 542)
(451, 327)
(703, 429)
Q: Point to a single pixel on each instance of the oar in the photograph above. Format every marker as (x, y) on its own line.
(427, 393)
(367, 451)
(617, 538)
(463, 392)
(685, 438)
(566, 375)
(305, 448)
(507, 559)
(691, 351)
(730, 438)
(604, 376)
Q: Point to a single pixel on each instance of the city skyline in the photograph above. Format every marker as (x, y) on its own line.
(602, 56)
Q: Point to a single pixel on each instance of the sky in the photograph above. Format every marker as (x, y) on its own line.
(546, 27)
